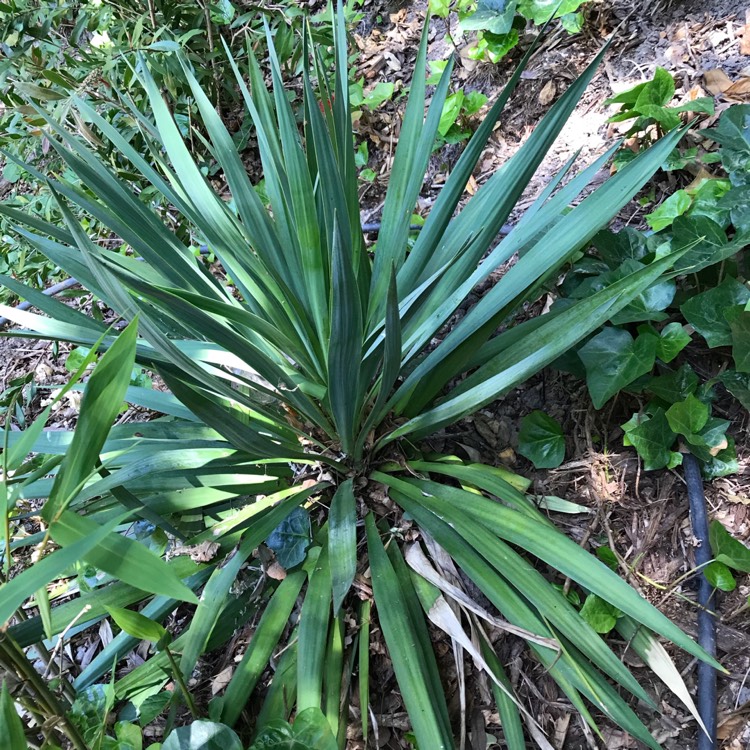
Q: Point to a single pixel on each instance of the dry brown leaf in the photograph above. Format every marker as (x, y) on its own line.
(221, 680)
(471, 185)
(276, 571)
(731, 725)
(716, 80)
(739, 90)
(744, 35)
(547, 94)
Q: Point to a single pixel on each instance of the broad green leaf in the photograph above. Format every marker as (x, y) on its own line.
(613, 360)
(663, 216)
(738, 384)
(11, 726)
(600, 614)
(739, 325)
(705, 311)
(673, 338)
(291, 538)
(723, 463)
(90, 710)
(688, 416)
(674, 386)
(311, 731)
(495, 16)
(707, 241)
(727, 549)
(733, 133)
(541, 440)
(128, 737)
(137, 625)
(719, 576)
(652, 437)
(202, 735)
(342, 541)
(451, 111)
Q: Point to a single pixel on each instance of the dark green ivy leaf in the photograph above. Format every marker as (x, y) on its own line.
(613, 359)
(311, 731)
(203, 735)
(705, 311)
(653, 440)
(541, 440)
(673, 338)
(739, 325)
(291, 538)
(688, 416)
(738, 384)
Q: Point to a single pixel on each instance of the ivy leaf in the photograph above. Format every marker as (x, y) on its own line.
(613, 359)
(733, 133)
(674, 386)
(607, 556)
(707, 240)
(291, 538)
(649, 304)
(705, 311)
(738, 384)
(676, 205)
(723, 463)
(657, 92)
(673, 338)
(202, 735)
(688, 416)
(739, 325)
(495, 16)
(615, 248)
(311, 731)
(653, 439)
(440, 8)
(451, 111)
(541, 440)
(90, 710)
(600, 614)
(719, 576)
(727, 549)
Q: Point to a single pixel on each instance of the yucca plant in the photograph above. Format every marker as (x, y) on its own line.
(301, 382)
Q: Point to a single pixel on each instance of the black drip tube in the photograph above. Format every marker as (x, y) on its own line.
(707, 602)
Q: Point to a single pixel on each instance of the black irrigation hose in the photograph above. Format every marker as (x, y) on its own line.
(706, 600)
(371, 228)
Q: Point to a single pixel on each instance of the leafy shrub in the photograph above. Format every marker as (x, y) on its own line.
(497, 22)
(303, 383)
(703, 298)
